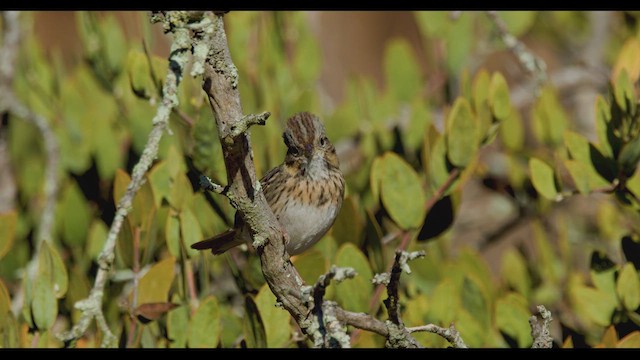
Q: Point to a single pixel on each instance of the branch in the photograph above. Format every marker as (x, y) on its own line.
(207, 184)
(534, 64)
(540, 329)
(246, 122)
(92, 306)
(220, 85)
(325, 312)
(450, 334)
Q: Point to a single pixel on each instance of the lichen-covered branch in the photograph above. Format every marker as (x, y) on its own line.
(533, 63)
(331, 331)
(450, 334)
(246, 122)
(91, 307)
(540, 329)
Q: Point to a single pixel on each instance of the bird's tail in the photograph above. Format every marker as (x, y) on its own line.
(219, 243)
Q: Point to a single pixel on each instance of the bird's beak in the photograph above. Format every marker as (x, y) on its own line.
(308, 151)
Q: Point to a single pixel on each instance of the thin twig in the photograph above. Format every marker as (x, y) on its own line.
(92, 306)
(246, 122)
(207, 184)
(450, 334)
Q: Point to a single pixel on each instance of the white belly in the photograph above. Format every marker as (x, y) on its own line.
(306, 224)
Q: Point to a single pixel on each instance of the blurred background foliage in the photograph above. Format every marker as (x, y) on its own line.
(542, 207)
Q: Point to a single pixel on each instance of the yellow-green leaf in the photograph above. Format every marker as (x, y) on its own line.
(44, 305)
(154, 286)
(275, 319)
(204, 328)
(172, 234)
(50, 264)
(518, 22)
(592, 304)
(445, 301)
(499, 97)
(97, 237)
(512, 318)
(580, 174)
(401, 192)
(624, 92)
(77, 216)
(542, 177)
(462, 134)
(629, 156)
(8, 222)
(310, 265)
(632, 340)
(471, 330)
(190, 231)
(514, 271)
(603, 117)
(139, 75)
(629, 60)
(177, 327)
(402, 72)
(474, 301)
(5, 303)
(349, 223)
(354, 294)
(628, 287)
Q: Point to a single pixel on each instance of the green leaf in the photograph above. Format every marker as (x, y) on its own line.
(44, 305)
(514, 271)
(603, 127)
(480, 85)
(154, 286)
(253, 326)
(462, 134)
(624, 93)
(231, 323)
(77, 216)
(172, 234)
(592, 304)
(354, 294)
(8, 223)
(549, 119)
(377, 170)
(181, 192)
(580, 174)
(473, 333)
(512, 318)
(401, 192)
(445, 301)
(628, 287)
(518, 22)
(512, 131)
(204, 328)
(190, 231)
(139, 75)
(628, 60)
(307, 61)
(632, 340)
(403, 76)
(276, 320)
(161, 181)
(50, 264)
(629, 156)
(349, 223)
(177, 327)
(474, 301)
(109, 156)
(499, 97)
(310, 265)
(5, 303)
(98, 233)
(542, 177)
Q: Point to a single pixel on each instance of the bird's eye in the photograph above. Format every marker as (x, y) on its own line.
(294, 151)
(323, 141)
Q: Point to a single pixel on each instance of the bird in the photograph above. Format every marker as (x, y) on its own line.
(305, 192)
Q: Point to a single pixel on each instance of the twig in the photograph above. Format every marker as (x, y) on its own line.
(92, 306)
(531, 62)
(540, 329)
(328, 324)
(246, 122)
(207, 184)
(450, 334)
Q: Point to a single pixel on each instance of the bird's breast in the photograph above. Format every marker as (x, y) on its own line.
(306, 223)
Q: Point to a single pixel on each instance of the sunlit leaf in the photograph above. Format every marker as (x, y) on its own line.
(514, 271)
(402, 72)
(8, 223)
(499, 97)
(190, 231)
(354, 294)
(155, 284)
(401, 192)
(542, 177)
(275, 319)
(512, 318)
(50, 264)
(462, 134)
(44, 305)
(77, 216)
(628, 287)
(628, 59)
(632, 340)
(177, 327)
